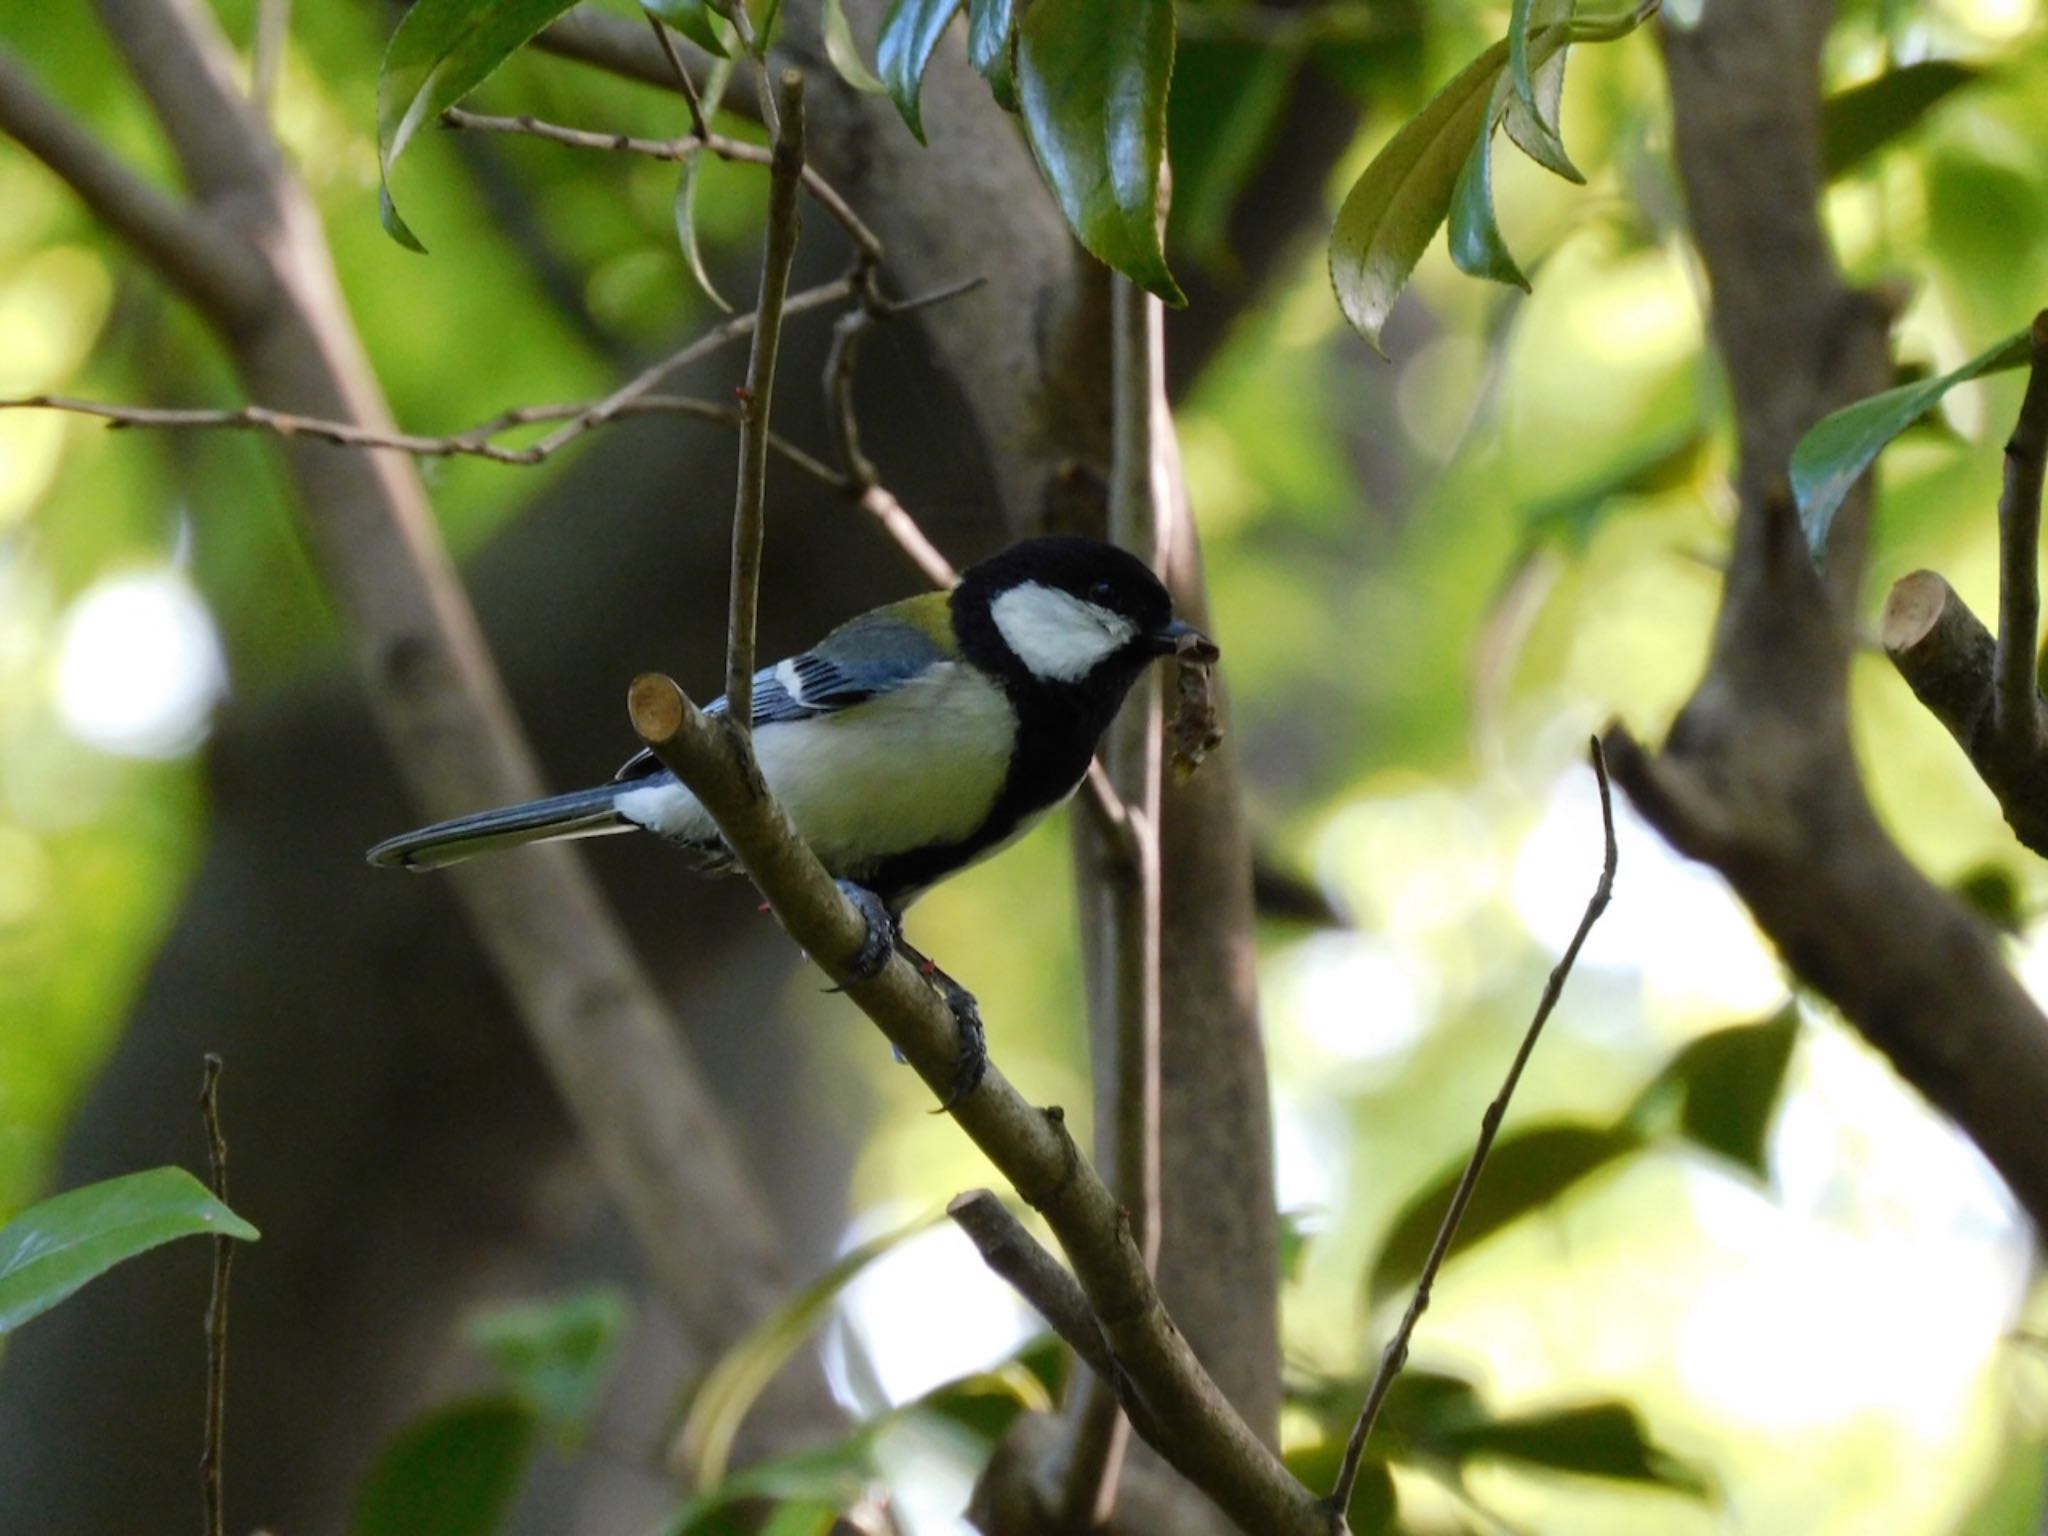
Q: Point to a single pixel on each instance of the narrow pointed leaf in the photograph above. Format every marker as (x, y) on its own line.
(454, 1473)
(1832, 456)
(1394, 209)
(1092, 78)
(1537, 86)
(729, 1390)
(1855, 124)
(1478, 248)
(844, 54)
(991, 46)
(1392, 212)
(686, 190)
(52, 1248)
(695, 20)
(441, 51)
(1526, 1171)
(910, 36)
(833, 1476)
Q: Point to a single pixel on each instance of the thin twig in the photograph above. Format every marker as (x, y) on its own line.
(699, 123)
(1395, 1356)
(749, 516)
(210, 1457)
(679, 149)
(2016, 703)
(474, 443)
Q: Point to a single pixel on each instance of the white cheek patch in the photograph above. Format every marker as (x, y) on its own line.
(1056, 634)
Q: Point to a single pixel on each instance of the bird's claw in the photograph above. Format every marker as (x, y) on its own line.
(972, 1063)
(882, 935)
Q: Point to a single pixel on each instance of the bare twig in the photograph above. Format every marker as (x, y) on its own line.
(679, 149)
(748, 511)
(1396, 1353)
(212, 1453)
(1190, 1421)
(1016, 1256)
(219, 272)
(474, 443)
(1125, 958)
(699, 123)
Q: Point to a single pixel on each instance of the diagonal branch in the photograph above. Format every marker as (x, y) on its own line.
(1197, 1429)
(217, 271)
(1395, 1356)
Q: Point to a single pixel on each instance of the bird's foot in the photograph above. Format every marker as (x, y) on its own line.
(883, 931)
(972, 1062)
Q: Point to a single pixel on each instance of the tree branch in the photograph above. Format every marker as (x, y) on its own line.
(1118, 867)
(213, 1451)
(613, 1051)
(1758, 777)
(1395, 1356)
(1016, 1256)
(215, 270)
(1198, 1431)
(1984, 690)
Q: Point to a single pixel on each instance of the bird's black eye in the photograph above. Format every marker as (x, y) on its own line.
(1102, 594)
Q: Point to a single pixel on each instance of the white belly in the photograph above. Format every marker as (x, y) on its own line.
(916, 767)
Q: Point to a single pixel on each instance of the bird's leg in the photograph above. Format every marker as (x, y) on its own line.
(885, 933)
(885, 930)
(973, 1058)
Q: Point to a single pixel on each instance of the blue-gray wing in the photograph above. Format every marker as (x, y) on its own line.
(858, 661)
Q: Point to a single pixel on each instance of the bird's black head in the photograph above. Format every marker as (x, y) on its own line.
(1067, 613)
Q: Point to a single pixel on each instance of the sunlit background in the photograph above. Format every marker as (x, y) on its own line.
(1433, 580)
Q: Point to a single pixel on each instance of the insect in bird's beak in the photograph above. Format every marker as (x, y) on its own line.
(1187, 644)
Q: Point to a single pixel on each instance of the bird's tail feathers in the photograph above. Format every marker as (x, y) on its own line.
(582, 813)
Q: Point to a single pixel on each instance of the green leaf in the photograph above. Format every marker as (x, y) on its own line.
(1393, 210)
(991, 47)
(834, 1476)
(443, 50)
(844, 55)
(56, 1246)
(558, 1354)
(730, 1388)
(1855, 124)
(1092, 79)
(1537, 91)
(1374, 1504)
(1597, 1440)
(453, 1473)
(1526, 1171)
(695, 20)
(715, 85)
(910, 35)
(1833, 455)
(1721, 1090)
(1477, 246)
(987, 1403)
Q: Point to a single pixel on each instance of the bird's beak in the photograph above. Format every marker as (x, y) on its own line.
(1184, 642)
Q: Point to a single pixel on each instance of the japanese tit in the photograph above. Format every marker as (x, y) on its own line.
(910, 742)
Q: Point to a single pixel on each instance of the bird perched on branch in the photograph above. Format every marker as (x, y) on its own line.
(908, 744)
